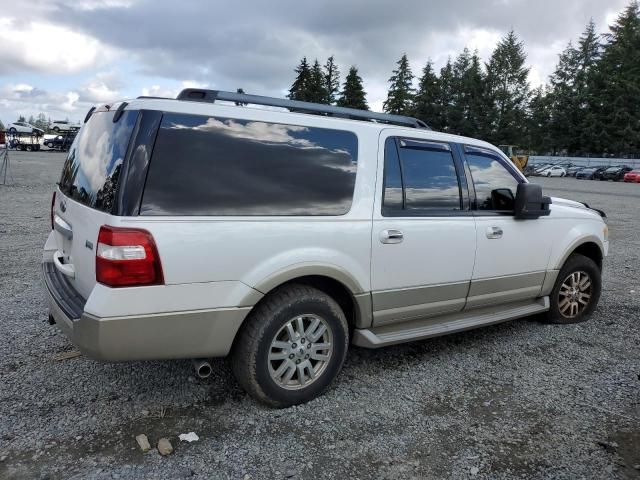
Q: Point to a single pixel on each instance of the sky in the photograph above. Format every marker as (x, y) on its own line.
(61, 57)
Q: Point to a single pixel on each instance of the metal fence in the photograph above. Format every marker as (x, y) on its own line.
(585, 162)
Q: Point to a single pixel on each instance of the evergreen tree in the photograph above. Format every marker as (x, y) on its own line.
(425, 106)
(1, 126)
(588, 128)
(400, 96)
(353, 94)
(444, 101)
(507, 91)
(331, 80)
(617, 79)
(31, 120)
(300, 87)
(21, 118)
(538, 133)
(467, 86)
(41, 122)
(316, 91)
(563, 100)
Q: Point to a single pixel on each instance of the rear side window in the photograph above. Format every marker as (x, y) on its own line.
(221, 166)
(92, 169)
(420, 177)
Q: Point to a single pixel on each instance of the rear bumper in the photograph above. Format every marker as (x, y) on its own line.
(185, 334)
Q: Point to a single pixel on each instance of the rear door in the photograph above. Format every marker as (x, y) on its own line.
(424, 236)
(87, 192)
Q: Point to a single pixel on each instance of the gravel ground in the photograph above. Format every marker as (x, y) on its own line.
(517, 400)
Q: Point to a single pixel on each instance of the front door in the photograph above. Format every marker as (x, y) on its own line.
(424, 236)
(512, 255)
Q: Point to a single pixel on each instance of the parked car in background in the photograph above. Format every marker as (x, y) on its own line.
(554, 171)
(615, 173)
(59, 142)
(63, 126)
(572, 171)
(23, 127)
(590, 173)
(632, 176)
(540, 168)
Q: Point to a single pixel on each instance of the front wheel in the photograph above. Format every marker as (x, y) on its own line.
(576, 292)
(291, 347)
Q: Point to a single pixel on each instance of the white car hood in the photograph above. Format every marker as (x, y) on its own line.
(579, 205)
(566, 202)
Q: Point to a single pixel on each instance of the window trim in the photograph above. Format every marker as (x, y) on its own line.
(433, 145)
(509, 167)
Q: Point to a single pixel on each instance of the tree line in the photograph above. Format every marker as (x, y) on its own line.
(590, 105)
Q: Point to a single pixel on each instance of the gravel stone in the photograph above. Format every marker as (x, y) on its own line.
(408, 411)
(164, 447)
(143, 442)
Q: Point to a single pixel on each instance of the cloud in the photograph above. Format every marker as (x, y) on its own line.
(27, 100)
(103, 88)
(43, 47)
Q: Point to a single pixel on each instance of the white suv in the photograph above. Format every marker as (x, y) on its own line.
(63, 126)
(201, 229)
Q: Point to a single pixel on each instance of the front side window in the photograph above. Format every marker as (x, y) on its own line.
(222, 166)
(419, 176)
(495, 186)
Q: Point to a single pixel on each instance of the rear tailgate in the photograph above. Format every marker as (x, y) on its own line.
(87, 194)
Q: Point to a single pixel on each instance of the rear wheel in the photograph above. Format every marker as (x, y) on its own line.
(576, 292)
(291, 347)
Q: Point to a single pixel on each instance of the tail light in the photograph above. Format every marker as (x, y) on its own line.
(127, 257)
(53, 205)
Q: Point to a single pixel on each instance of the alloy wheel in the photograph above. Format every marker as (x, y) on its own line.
(300, 351)
(575, 294)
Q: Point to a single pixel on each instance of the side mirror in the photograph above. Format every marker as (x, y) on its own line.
(530, 203)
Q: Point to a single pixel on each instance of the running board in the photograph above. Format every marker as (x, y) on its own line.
(457, 322)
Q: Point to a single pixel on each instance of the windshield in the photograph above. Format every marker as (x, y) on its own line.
(613, 169)
(91, 171)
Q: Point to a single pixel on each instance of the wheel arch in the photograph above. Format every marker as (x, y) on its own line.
(332, 280)
(591, 247)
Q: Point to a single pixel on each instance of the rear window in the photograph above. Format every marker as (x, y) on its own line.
(221, 166)
(92, 168)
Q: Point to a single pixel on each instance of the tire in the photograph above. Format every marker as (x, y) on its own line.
(12, 130)
(55, 129)
(50, 145)
(267, 324)
(576, 265)
(549, 174)
(28, 148)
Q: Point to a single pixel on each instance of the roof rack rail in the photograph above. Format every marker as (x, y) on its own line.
(210, 96)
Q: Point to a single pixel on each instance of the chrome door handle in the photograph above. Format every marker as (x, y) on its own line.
(391, 236)
(494, 232)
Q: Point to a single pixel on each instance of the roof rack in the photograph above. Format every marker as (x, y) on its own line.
(210, 96)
